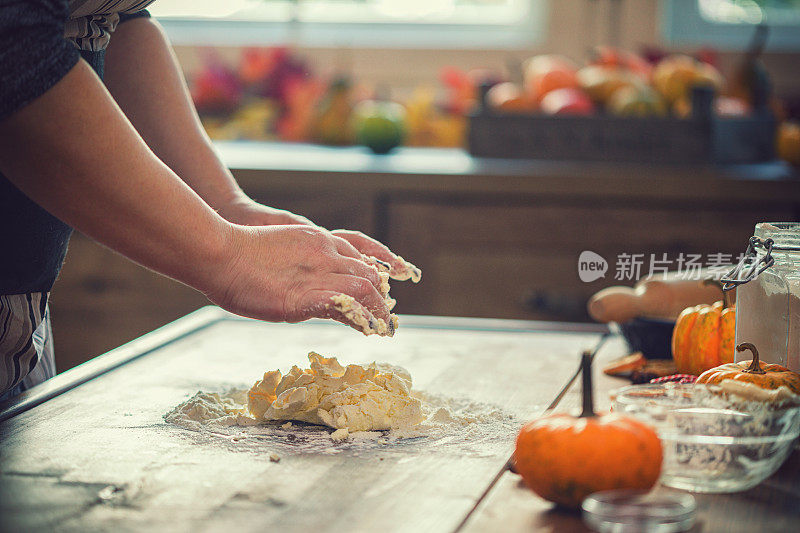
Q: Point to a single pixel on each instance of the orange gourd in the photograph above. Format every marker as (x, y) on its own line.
(765, 375)
(564, 458)
(704, 336)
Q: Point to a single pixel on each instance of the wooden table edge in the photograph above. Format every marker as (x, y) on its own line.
(209, 315)
(108, 361)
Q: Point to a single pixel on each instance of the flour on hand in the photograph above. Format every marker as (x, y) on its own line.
(359, 316)
(405, 270)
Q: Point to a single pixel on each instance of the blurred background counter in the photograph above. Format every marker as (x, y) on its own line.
(495, 238)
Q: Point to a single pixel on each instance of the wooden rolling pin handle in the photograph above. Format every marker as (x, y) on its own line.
(652, 298)
(614, 304)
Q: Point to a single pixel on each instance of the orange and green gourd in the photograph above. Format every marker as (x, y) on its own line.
(704, 336)
(764, 375)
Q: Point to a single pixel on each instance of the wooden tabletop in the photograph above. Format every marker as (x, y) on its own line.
(89, 450)
(772, 506)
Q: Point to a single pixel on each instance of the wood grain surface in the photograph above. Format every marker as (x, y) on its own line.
(100, 457)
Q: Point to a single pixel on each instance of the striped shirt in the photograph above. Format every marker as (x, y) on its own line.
(40, 41)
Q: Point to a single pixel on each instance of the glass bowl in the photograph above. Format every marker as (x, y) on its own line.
(712, 442)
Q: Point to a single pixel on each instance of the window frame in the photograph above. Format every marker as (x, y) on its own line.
(400, 35)
(683, 25)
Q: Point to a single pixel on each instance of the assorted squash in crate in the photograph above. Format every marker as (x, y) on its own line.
(564, 458)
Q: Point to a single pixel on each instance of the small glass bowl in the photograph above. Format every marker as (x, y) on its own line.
(623, 511)
(712, 442)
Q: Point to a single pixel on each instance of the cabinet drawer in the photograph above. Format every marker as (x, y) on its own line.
(505, 285)
(521, 261)
(601, 225)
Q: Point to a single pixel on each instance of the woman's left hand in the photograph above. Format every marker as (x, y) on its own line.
(398, 268)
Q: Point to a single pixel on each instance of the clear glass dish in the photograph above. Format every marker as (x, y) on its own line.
(622, 511)
(712, 442)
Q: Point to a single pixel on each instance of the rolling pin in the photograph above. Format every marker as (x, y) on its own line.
(663, 297)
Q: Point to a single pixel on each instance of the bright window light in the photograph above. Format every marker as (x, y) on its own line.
(358, 11)
(777, 12)
(481, 24)
(729, 24)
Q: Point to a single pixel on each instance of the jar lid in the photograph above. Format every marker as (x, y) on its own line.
(632, 510)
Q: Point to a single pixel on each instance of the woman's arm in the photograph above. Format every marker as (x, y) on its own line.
(142, 74)
(73, 152)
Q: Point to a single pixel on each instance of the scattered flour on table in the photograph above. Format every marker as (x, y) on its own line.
(220, 409)
(362, 405)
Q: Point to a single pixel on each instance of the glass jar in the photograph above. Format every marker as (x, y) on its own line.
(768, 294)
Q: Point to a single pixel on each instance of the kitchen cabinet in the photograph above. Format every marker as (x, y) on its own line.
(494, 238)
(519, 258)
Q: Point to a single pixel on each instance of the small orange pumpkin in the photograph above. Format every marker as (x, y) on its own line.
(764, 375)
(564, 458)
(704, 336)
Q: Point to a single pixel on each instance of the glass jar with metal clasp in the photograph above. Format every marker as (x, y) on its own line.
(767, 279)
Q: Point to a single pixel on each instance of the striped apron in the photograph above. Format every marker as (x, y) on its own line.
(26, 342)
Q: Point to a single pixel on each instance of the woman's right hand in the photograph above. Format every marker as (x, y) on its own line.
(290, 274)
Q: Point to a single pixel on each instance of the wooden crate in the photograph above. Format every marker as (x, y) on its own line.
(702, 138)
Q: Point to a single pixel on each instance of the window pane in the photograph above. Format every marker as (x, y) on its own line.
(728, 24)
(350, 11)
(774, 12)
(256, 10)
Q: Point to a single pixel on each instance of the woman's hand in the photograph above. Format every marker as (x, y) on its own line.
(398, 268)
(291, 273)
(245, 211)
